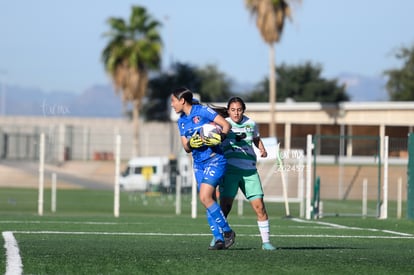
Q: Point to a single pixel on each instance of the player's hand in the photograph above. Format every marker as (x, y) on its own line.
(195, 141)
(214, 140)
(240, 137)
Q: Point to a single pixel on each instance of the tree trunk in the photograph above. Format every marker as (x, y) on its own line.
(135, 123)
(272, 91)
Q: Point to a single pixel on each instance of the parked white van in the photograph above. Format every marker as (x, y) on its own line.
(145, 174)
(156, 174)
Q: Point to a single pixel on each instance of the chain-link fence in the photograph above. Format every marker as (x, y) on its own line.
(352, 169)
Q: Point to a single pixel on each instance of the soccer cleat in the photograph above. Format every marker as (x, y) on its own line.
(229, 238)
(218, 245)
(268, 246)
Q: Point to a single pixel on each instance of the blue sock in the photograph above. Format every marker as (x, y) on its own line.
(214, 227)
(218, 216)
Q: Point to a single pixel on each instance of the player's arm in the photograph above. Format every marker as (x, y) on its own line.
(225, 125)
(186, 146)
(216, 138)
(259, 144)
(191, 143)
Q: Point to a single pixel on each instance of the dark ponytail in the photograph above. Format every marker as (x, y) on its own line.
(186, 93)
(220, 110)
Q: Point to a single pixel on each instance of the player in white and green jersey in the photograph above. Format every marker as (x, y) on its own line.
(241, 166)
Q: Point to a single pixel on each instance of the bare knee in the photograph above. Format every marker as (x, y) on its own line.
(206, 200)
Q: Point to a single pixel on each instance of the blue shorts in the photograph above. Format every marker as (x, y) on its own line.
(210, 171)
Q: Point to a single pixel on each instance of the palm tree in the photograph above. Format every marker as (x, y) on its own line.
(133, 49)
(270, 18)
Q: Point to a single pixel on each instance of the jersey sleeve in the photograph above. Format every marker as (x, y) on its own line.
(209, 113)
(181, 128)
(256, 131)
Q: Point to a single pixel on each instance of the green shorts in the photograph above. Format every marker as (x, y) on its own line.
(247, 180)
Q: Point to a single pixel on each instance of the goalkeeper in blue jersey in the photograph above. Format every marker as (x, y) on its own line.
(241, 166)
(208, 160)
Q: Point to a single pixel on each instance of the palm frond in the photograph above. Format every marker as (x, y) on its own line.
(133, 49)
(270, 17)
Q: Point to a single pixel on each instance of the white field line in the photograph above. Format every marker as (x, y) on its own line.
(334, 225)
(124, 223)
(63, 222)
(94, 223)
(14, 264)
(207, 234)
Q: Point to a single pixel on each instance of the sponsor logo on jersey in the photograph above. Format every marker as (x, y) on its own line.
(196, 119)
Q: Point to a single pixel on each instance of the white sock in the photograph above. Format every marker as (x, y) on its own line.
(264, 229)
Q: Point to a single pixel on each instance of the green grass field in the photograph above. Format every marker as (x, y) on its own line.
(83, 237)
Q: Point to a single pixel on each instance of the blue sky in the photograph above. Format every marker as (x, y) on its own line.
(56, 45)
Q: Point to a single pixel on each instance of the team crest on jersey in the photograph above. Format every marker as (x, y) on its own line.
(196, 119)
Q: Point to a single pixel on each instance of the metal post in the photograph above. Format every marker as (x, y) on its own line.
(194, 198)
(316, 198)
(41, 173)
(384, 206)
(364, 197)
(399, 198)
(309, 147)
(117, 171)
(410, 178)
(53, 195)
(178, 195)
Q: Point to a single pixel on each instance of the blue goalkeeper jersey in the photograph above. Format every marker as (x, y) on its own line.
(189, 124)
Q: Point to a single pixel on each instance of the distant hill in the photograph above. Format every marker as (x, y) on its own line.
(359, 88)
(97, 101)
(362, 88)
(101, 100)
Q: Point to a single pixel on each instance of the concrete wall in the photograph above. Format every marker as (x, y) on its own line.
(83, 138)
(92, 138)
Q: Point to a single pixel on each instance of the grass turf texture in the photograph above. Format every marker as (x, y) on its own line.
(83, 237)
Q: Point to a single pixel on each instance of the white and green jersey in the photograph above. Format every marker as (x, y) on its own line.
(238, 146)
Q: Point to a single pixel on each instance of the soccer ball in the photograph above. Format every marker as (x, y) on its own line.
(208, 129)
